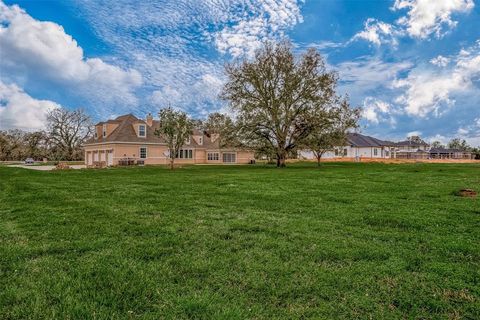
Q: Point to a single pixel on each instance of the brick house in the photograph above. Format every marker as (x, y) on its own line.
(128, 139)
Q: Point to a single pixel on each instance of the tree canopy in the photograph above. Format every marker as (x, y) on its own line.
(277, 96)
(176, 128)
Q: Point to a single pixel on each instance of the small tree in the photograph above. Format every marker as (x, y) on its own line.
(175, 127)
(275, 93)
(223, 126)
(437, 145)
(67, 131)
(330, 127)
(459, 144)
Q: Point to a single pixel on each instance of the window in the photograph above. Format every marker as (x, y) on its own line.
(142, 131)
(143, 152)
(375, 151)
(200, 140)
(345, 152)
(104, 130)
(229, 157)
(185, 154)
(188, 140)
(96, 134)
(213, 156)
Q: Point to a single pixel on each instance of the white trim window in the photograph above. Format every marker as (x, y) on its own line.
(229, 157)
(95, 134)
(375, 151)
(213, 156)
(185, 154)
(142, 130)
(200, 140)
(143, 152)
(104, 130)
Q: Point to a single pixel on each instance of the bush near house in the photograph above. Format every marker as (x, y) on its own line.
(348, 240)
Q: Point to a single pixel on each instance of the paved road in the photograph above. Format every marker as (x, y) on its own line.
(46, 168)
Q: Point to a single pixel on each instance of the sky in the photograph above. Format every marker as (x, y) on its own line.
(413, 66)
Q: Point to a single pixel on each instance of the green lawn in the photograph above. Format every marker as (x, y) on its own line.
(241, 242)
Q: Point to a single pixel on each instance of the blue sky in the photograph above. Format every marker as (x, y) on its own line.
(412, 65)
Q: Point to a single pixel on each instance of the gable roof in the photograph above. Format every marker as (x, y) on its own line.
(360, 140)
(125, 132)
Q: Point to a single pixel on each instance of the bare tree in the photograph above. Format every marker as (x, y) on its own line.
(175, 127)
(67, 131)
(275, 93)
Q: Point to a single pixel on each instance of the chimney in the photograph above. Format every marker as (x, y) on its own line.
(149, 120)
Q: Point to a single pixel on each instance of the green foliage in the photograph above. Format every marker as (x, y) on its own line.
(176, 128)
(350, 241)
(459, 144)
(276, 94)
(226, 129)
(437, 145)
(330, 127)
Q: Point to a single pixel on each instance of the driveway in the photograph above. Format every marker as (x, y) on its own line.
(46, 168)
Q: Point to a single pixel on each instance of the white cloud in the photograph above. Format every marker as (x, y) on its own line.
(425, 17)
(257, 22)
(430, 91)
(36, 52)
(366, 76)
(440, 61)
(377, 32)
(414, 133)
(374, 109)
(18, 110)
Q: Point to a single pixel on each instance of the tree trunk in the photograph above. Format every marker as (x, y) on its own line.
(171, 163)
(318, 160)
(281, 157)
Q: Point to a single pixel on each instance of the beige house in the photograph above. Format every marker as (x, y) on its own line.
(129, 140)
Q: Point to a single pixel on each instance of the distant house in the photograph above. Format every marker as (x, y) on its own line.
(441, 153)
(357, 146)
(413, 148)
(362, 146)
(127, 139)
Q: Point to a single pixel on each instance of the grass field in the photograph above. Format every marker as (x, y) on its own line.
(241, 242)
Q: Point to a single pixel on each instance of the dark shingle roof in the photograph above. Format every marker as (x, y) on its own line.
(360, 140)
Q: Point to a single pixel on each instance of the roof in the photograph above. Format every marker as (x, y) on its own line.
(360, 140)
(125, 132)
(443, 150)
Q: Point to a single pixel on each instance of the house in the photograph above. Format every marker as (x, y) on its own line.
(412, 148)
(128, 140)
(357, 146)
(441, 153)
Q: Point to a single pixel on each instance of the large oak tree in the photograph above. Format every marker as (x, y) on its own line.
(275, 95)
(67, 131)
